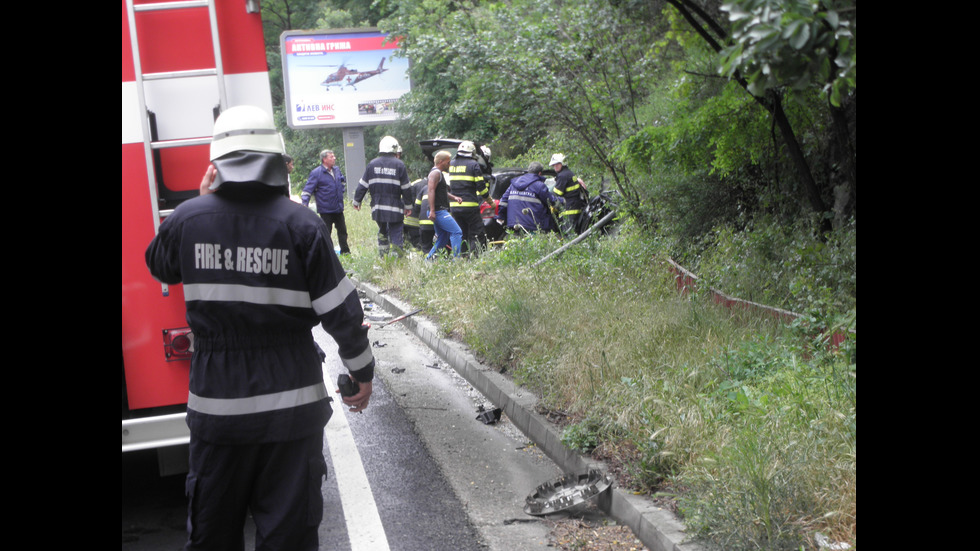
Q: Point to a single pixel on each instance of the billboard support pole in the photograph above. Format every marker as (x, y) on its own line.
(354, 158)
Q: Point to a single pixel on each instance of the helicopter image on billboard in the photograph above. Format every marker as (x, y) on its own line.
(350, 77)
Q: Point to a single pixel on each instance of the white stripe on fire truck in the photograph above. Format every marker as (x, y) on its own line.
(257, 404)
(184, 111)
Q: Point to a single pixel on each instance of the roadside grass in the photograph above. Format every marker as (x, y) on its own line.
(747, 424)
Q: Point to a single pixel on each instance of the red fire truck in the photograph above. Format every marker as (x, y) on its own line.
(183, 63)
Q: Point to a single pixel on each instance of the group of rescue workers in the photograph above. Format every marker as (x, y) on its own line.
(462, 192)
(257, 402)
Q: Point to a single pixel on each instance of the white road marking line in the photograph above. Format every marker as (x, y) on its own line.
(364, 526)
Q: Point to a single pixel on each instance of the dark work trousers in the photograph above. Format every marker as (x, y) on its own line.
(427, 236)
(279, 482)
(337, 219)
(470, 221)
(390, 233)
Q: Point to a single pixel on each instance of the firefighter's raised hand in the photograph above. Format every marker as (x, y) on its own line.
(208, 180)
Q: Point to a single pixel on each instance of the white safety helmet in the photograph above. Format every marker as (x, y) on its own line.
(486, 152)
(389, 145)
(245, 128)
(466, 148)
(557, 158)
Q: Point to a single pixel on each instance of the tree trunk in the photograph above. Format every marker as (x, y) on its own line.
(795, 152)
(845, 193)
(772, 102)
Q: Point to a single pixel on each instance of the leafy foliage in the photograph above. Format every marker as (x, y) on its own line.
(515, 73)
(796, 43)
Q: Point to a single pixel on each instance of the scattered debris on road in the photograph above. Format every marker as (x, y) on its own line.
(567, 493)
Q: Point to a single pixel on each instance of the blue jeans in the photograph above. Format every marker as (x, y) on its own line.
(447, 232)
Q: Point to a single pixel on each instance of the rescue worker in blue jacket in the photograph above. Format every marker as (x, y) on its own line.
(327, 186)
(258, 272)
(386, 178)
(527, 203)
(573, 191)
(466, 180)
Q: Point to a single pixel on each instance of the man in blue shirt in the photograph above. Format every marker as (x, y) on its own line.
(327, 186)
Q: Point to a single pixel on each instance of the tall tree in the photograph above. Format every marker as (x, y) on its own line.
(780, 43)
(528, 69)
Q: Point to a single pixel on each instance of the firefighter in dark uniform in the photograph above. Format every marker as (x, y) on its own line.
(572, 190)
(466, 180)
(412, 222)
(258, 272)
(386, 177)
(427, 228)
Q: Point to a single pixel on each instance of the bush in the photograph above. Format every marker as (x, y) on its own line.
(789, 266)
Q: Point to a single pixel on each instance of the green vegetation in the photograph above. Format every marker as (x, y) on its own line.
(727, 130)
(751, 424)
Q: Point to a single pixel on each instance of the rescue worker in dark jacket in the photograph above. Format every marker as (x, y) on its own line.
(572, 190)
(427, 228)
(466, 180)
(327, 186)
(386, 177)
(412, 222)
(527, 203)
(258, 272)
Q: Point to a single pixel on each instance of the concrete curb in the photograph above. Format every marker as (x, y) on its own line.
(655, 527)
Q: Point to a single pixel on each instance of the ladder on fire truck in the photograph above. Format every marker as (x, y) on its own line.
(150, 145)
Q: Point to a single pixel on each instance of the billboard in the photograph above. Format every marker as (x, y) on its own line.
(341, 78)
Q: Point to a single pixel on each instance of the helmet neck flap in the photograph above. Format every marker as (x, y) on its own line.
(250, 166)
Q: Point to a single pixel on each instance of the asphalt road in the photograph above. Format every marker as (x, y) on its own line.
(416, 471)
